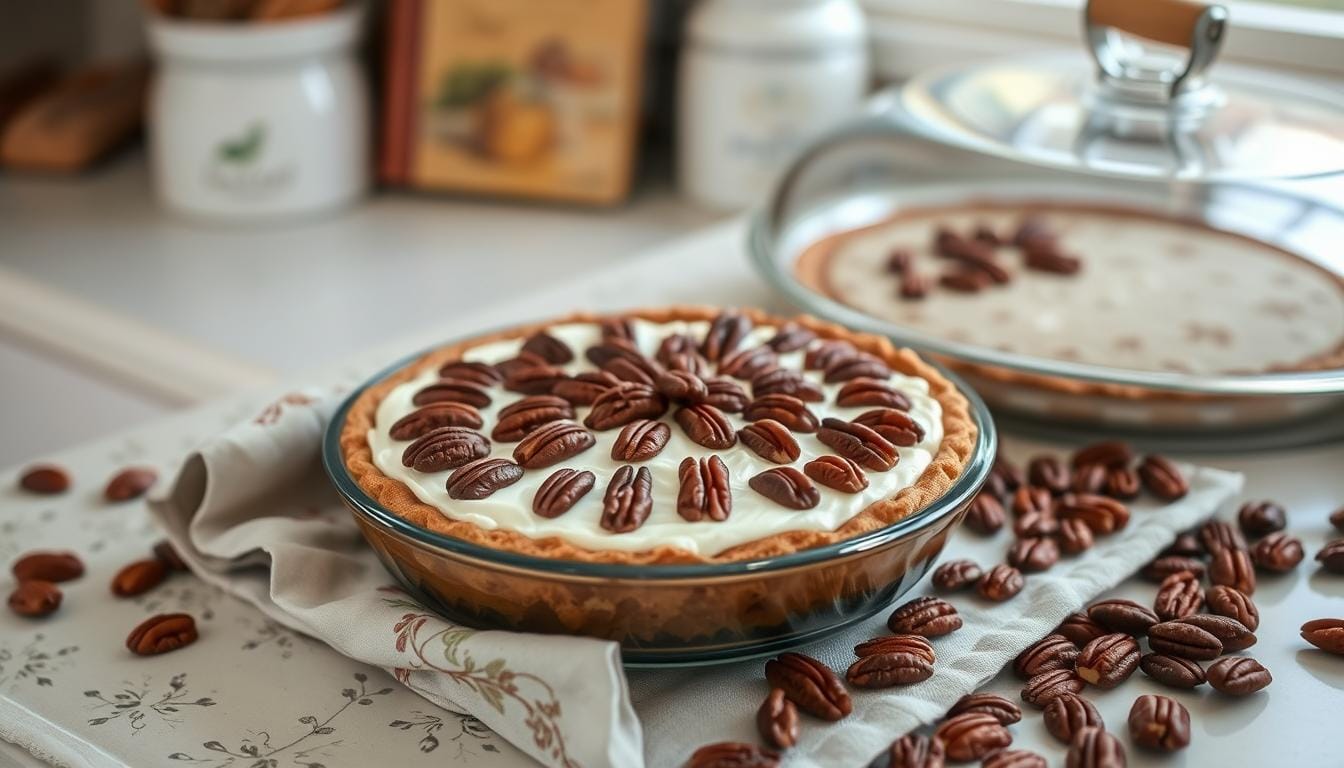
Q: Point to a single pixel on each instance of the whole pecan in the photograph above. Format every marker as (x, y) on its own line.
(1238, 675)
(898, 427)
(790, 337)
(623, 403)
(1159, 569)
(1029, 498)
(617, 327)
(1172, 671)
(916, 645)
(1162, 478)
(477, 373)
(453, 391)
(1048, 472)
(706, 425)
(1108, 661)
(732, 754)
(423, 420)
(1122, 483)
(164, 553)
(1102, 515)
(927, 616)
(1179, 595)
(1108, 453)
(35, 598)
(535, 379)
(1001, 709)
(561, 491)
(445, 448)
(481, 478)
(631, 368)
(45, 479)
(862, 391)
(770, 440)
(858, 443)
(1326, 634)
(129, 483)
(1157, 722)
(747, 363)
(1089, 478)
(1041, 688)
(1331, 556)
(725, 333)
(1259, 518)
(548, 348)
(884, 670)
(522, 416)
(705, 492)
(823, 354)
(725, 394)
(682, 387)
(787, 487)
(836, 472)
(911, 751)
(1009, 474)
(1069, 713)
(1120, 615)
(1080, 629)
(1226, 601)
(1217, 535)
(1000, 583)
(55, 567)
(784, 381)
(584, 388)
(1185, 545)
(1033, 554)
(777, 720)
(1014, 758)
(138, 578)
(1277, 553)
(862, 365)
(628, 500)
(972, 736)
(1188, 641)
(679, 352)
(1036, 524)
(1074, 536)
(809, 684)
(786, 409)
(640, 440)
(1095, 748)
(1045, 655)
(161, 634)
(612, 349)
(956, 575)
(1233, 568)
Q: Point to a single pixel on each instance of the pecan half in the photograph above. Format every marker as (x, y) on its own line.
(732, 754)
(35, 598)
(1014, 758)
(1218, 535)
(898, 427)
(771, 441)
(1074, 536)
(1260, 518)
(682, 386)
(1277, 553)
(1226, 601)
(706, 425)
(1157, 722)
(584, 388)
(1080, 629)
(45, 479)
(984, 514)
(548, 348)
(481, 478)
(1231, 633)
(627, 369)
(55, 567)
(747, 363)
(1001, 709)
(956, 575)
(445, 448)
(862, 365)
(1069, 713)
(836, 472)
(1048, 472)
(725, 333)
(1033, 554)
(1162, 478)
(1326, 634)
(784, 381)
(534, 379)
(522, 416)
(129, 483)
(705, 492)
(911, 751)
(786, 487)
(726, 395)
(860, 392)
(476, 373)
(1029, 498)
(1120, 615)
(612, 349)
(1089, 478)
(561, 491)
(1038, 524)
(1047, 686)
(884, 670)
(927, 616)
(674, 347)
(777, 720)
(507, 368)
(1233, 568)
(809, 684)
(917, 645)
(1179, 595)
(640, 440)
(1102, 515)
(617, 327)
(1172, 671)
(1159, 569)
(827, 352)
(785, 409)
(161, 634)
(1122, 483)
(1176, 638)
(790, 337)
(622, 404)
(965, 280)
(1238, 675)
(1046, 655)
(1109, 453)
(858, 443)
(453, 391)
(138, 578)
(972, 736)
(628, 500)
(1108, 661)
(1000, 583)
(423, 420)
(552, 443)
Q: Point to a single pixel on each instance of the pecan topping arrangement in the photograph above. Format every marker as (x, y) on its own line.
(705, 493)
(782, 381)
(552, 443)
(682, 386)
(548, 348)
(476, 373)
(725, 333)
(584, 388)
(481, 478)
(561, 491)
(628, 500)
(809, 684)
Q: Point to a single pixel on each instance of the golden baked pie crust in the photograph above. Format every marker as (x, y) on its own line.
(948, 463)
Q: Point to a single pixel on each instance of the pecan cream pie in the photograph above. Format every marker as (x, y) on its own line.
(1106, 286)
(680, 435)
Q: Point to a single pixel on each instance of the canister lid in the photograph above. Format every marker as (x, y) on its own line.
(1144, 104)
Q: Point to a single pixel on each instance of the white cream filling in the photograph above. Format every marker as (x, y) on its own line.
(753, 516)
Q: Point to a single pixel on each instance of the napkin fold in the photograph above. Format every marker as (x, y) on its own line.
(252, 512)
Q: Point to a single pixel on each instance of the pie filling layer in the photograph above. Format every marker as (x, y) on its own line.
(753, 516)
(1152, 293)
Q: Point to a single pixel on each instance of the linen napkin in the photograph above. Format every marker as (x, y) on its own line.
(252, 512)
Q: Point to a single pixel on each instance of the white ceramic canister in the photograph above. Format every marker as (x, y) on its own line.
(758, 80)
(259, 121)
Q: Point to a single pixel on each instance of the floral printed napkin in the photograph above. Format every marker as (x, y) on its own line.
(252, 512)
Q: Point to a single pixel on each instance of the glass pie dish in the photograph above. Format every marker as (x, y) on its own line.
(666, 614)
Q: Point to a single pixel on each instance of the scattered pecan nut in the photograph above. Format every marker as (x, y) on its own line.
(161, 634)
(706, 425)
(956, 575)
(55, 567)
(777, 720)
(138, 578)
(1108, 661)
(809, 684)
(916, 645)
(884, 670)
(1000, 583)
(927, 616)
(1162, 478)
(45, 479)
(640, 440)
(129, 483)
(35, 598)
(1069, 713)
(972, 736)
(858, 443)
(476, 373)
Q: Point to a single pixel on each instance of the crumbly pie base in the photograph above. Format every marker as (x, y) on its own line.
(948, 463)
